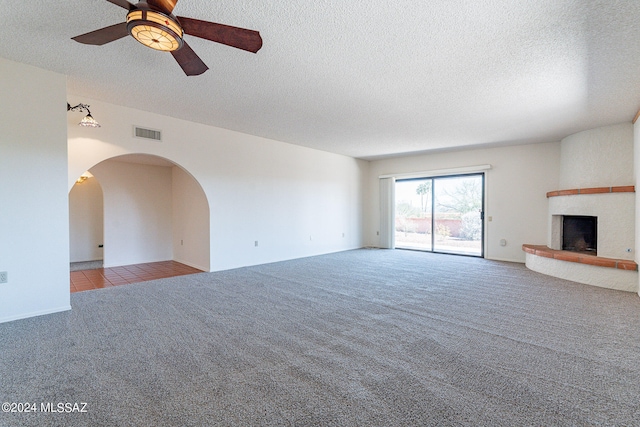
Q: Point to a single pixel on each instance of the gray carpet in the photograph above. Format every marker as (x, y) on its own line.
(358, 338)
(85, 265)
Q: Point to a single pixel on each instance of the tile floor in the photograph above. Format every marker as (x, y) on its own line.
(85, 280)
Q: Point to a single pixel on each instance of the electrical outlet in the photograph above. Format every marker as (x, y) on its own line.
(256, 243)
(4, 277)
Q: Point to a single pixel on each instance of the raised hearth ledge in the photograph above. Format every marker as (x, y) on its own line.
(545, 251)
(592, 190)
(603, 272)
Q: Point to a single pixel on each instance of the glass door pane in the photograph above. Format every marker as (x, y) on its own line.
(413, 214)
(458, 214)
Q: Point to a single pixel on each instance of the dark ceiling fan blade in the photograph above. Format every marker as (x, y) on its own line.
(241, 38)
(122, 3)
(164, 5)
(190, 63)
(103, 35)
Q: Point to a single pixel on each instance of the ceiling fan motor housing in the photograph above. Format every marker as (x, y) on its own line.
(154, 29)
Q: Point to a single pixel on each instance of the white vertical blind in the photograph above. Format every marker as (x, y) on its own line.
(387, 212)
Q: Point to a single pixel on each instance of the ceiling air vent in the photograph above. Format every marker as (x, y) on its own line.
(139, 132)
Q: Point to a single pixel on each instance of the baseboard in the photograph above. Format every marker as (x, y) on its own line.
(35, 313)
(505, 260)
(190, 264)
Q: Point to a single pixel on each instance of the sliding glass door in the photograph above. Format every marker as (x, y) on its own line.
(442, 214)
(414, 211)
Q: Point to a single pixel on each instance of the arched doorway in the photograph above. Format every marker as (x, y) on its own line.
(86, 223)
(152, 210)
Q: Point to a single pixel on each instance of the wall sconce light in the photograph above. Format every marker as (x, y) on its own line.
(85, 176)
(88, 121)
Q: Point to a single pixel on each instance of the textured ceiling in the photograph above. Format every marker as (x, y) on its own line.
(364, 79)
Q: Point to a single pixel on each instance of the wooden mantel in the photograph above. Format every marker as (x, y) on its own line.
(592, 190)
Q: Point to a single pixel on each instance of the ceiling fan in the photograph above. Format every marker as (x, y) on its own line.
(152, 23)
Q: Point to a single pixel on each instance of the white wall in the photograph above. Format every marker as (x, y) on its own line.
(86, 221)
(636, 171)
(294, 201)
(600, 157)
(515, 192)
(190, 212)
(34, 218)
(137, 212)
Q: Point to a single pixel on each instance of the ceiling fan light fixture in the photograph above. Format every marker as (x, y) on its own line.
(155, 30)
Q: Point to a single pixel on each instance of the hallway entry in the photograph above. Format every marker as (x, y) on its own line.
(137, 209)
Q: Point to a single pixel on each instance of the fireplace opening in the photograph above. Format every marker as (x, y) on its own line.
(580, 234)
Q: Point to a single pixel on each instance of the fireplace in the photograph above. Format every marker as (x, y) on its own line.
(580, 234)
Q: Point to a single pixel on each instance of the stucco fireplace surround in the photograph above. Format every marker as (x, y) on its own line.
(596, 170)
